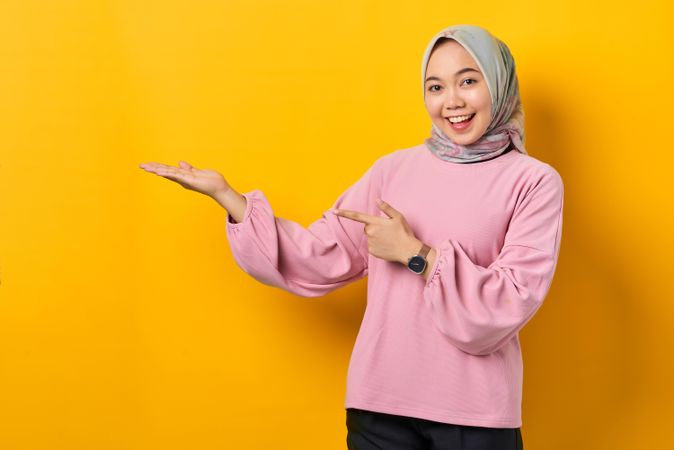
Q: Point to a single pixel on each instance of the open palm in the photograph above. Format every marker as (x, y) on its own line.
(206, 181)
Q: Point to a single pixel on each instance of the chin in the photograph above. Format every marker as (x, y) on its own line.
(461, 139)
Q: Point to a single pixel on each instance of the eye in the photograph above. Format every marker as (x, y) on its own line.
(430, 88)
(470, 79)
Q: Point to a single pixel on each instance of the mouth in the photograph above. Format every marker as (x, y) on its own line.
(461, 125)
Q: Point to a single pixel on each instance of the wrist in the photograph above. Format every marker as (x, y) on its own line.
(234, 202)
(224, 197)
(411, 249)
(221, 193)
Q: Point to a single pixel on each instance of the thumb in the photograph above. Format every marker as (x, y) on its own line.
(185, 165)
(388, 209)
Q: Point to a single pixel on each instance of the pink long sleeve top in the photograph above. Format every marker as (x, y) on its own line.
(443, 349)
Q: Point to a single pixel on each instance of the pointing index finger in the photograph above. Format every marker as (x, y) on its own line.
(356, 215)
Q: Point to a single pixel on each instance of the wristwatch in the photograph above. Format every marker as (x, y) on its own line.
(417, 263)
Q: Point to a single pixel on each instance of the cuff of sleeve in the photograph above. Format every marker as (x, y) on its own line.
(229, 221)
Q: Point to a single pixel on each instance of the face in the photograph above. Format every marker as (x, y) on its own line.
(451, 89)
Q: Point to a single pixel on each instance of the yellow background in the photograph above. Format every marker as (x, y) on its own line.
(125, 322)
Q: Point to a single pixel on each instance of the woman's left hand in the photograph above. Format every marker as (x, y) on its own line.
(390, 238)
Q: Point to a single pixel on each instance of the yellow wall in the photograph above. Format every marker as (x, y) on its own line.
(126, 324)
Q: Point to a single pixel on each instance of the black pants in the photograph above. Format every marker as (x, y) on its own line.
(369, 430)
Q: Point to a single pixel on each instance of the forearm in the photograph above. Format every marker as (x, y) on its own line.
(233, 202)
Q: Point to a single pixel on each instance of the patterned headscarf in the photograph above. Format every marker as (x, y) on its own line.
(507, 116)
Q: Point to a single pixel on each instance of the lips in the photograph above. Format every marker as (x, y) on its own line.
(461, 126)
(461, 115)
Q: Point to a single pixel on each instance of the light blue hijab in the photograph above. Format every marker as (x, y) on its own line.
(494, 59)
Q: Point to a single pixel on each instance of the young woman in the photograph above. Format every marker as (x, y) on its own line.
(460, 238)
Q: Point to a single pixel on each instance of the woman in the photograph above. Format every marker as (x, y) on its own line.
(460, 254)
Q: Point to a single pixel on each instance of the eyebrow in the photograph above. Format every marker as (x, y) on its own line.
(464, 70)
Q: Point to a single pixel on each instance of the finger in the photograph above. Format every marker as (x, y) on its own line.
(356, 215)
(186, 165)
(178, 178)
(174, 173)
(388, 209)
(154, 166)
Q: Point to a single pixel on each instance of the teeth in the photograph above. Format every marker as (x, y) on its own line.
(460, 118)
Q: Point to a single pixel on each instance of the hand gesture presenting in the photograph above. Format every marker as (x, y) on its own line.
(390, 238)
(205, 181)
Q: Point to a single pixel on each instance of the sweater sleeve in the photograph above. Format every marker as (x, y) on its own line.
(311, 261)
(480, 309)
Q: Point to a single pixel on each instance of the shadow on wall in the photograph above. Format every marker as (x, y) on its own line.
(580, 358)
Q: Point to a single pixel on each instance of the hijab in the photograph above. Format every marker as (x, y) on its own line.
(497, 64)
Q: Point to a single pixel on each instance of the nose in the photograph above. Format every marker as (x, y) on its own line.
(452, 100)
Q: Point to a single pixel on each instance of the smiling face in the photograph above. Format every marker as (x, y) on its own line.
(455, 86)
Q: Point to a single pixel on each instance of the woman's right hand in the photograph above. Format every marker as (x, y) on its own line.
(206, 181)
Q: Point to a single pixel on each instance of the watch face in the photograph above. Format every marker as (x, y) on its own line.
(417, 264)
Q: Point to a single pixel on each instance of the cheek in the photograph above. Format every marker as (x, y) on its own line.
(483, 105)
(433, 105)
(477, 100)
(484, 100)
(485, 120)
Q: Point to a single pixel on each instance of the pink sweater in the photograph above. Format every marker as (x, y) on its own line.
(446, 349)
